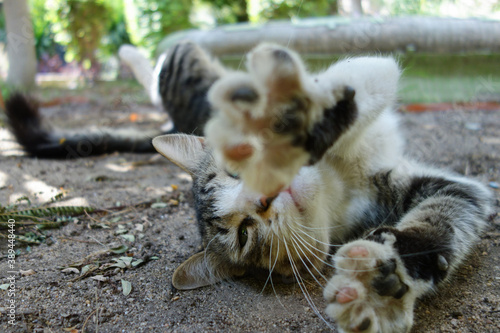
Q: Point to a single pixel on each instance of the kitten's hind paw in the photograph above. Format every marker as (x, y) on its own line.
(368, 292)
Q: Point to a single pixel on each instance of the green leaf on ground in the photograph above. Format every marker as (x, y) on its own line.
(127, 287)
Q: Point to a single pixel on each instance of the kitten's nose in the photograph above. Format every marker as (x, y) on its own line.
(265, 202)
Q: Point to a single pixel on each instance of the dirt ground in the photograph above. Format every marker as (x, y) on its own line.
(165, 234)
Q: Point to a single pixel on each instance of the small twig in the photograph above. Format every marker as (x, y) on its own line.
(97, 315)
(123, 208)
(95, 239)
(79, 240)
(90, 217)
(86, 320)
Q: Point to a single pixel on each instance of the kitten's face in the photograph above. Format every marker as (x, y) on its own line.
(251, 232)
(241, 230)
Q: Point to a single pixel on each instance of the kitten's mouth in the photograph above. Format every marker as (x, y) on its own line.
(291, 193)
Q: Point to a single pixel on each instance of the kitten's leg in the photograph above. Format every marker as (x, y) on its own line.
(275, 119)
(378, 278)
(186, 75)
(141, 67)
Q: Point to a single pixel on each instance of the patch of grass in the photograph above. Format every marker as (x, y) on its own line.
(431, 78)
(450, 78)
(449, 89)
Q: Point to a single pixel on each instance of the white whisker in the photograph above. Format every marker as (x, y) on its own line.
(324, 228)
(270, 261)
(309, 260)
(317, 240)
(314, 239)
(271, 269)
(304, 290)
(206, 250)
(312, 252)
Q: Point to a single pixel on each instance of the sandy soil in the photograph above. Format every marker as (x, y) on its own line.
(165, 234)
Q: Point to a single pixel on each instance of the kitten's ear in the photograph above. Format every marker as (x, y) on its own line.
(201, 270)
(183, 150)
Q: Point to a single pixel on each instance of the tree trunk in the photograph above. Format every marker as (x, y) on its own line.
(20, 44)
(356, 8)
(340, 35)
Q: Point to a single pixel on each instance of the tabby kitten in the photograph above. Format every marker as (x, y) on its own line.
(182, 85)
(294, 162)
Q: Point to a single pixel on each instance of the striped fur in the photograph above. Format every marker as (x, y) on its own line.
(326, 153)
(185, 77)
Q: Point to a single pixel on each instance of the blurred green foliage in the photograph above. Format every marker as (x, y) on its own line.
(42, 28)
(156, 19)
(279, 9)
(3, 35)
(91, 30)
(87, 31)
(228, 11)
(86, 22)
(414, 7)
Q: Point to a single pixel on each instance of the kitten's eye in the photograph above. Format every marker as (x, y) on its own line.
(243, 230)
(242, 235)
(234, 175)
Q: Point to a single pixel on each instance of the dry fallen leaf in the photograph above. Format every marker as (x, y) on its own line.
(100, 278)
(71, 270)
(27, 273)
(130, 238)
(120, 249)
(127, 287)
(158, 205)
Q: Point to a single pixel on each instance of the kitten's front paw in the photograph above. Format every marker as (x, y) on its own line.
(368, 292)
(263, 119)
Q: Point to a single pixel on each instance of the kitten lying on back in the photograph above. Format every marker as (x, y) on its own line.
(294, 164)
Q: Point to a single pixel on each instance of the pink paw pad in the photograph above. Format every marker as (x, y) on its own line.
(358, 252)
(346, 295)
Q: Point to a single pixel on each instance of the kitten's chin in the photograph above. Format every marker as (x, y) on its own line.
(303, 190)
(294, 198)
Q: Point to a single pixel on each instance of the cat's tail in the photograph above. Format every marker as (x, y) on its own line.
(39, 141)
